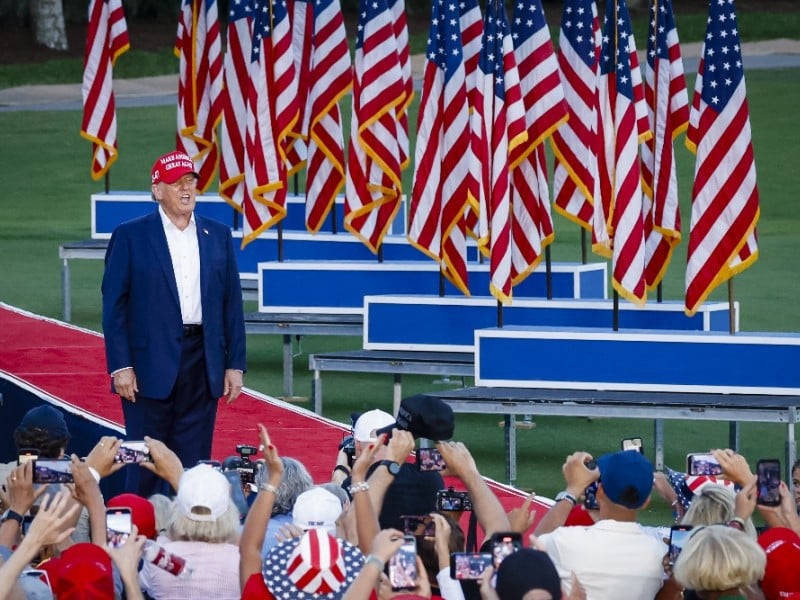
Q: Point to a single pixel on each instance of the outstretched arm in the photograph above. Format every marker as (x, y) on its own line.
(490, 513)
(258, 516)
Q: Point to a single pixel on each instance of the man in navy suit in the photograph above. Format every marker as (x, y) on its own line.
(173, 320)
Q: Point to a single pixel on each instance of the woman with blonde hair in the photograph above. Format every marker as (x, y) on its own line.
(718, 562)
(715, 504)
(204, 530)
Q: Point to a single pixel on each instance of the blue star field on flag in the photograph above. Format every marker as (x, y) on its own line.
(722, 59)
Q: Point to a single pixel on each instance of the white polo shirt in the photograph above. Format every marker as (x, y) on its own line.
(613, 560)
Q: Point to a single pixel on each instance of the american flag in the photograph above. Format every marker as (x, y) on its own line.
(618, 228)
(471, 22)
(199, 49)
(725, 208)
(322, 60)
(233, 128)
(400, 26)
(503, 114)
(106, 39)
(271, 115)
(545, 111)
(575, 143)
(441, 191)
(668, 112)
(374, 185)
(686, 486)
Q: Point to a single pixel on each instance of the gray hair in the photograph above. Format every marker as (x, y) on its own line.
(224, 529)
(296, 480)
(715, 504)
(718, 557)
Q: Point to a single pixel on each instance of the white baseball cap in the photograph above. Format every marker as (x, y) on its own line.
(369, 422)
(317, 508)
(203, 487)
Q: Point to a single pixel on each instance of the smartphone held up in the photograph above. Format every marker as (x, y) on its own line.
(402, 567)
(768, 471)
(118, 526)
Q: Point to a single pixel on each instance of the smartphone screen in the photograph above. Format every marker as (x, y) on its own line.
(632, 444)
(133, 452)
(429, 459)
(403, 565)
(419, 525)
(769, 482)
(469, 565)
(590, 496)
(452, 500)
(118, 526)
(504, 544)
(52, 470)
(678, 534)
(702, 463)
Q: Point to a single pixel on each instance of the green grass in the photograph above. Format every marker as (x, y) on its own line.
(46, 202)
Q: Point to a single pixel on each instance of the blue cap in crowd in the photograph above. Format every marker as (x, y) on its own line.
(46, 418)
(626, 477)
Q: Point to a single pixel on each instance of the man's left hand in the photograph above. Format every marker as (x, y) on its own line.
(233, 385)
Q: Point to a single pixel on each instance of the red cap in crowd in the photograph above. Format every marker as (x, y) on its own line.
(782, 575)
(143, 514)
(82, 572)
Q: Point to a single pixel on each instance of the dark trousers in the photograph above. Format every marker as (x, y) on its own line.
(184, 421)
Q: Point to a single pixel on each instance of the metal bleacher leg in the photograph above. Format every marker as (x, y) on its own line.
(288, 367)
(397, 393)
(510, 438)
(65, 290)
(316, 392)
(658, 444)
(733, 435)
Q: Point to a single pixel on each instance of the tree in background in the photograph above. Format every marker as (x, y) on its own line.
(47, 17)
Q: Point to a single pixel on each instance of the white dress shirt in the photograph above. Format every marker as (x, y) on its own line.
(185, 254)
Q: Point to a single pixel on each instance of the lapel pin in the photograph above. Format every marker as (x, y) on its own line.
(205, 230)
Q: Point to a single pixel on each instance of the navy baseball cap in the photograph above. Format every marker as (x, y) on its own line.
(626, 477)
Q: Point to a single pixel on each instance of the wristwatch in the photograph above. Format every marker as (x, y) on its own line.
(11, 515)
(565, 495)
(391, 466)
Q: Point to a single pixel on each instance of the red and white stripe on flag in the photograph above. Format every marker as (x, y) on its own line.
(471, 23)
(441, 191)
(503, 114)
(397, 8)
(668, 113)
(618, 230)
(233, 128)
(106, 40)
(575, 143)
(271, 115)
(322, 60)
(374, 185)
(725, 205)
(545, 110)
(199, 49)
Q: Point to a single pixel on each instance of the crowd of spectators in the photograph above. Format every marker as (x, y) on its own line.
(379, 527)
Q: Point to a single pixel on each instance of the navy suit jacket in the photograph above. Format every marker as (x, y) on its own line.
(142, 320)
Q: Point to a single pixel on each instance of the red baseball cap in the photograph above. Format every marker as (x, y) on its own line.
(82, 572)
(170, 167)
(143, 514)
(781, 577)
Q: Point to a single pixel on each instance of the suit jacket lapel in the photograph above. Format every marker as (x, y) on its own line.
(203, 241)
(158, 241)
